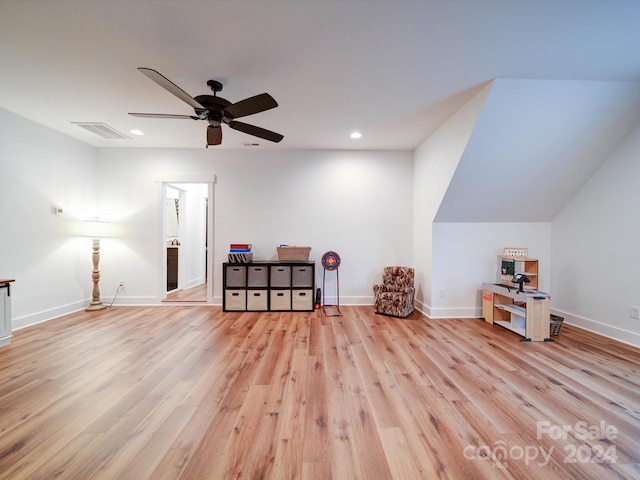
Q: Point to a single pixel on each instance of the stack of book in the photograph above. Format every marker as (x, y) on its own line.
(240, 253)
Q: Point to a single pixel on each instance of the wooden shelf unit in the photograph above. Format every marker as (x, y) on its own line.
(525, 313)
(526, 266)
(268, 286)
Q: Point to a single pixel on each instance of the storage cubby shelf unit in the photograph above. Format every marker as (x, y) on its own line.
(508, 267)
(268, 286)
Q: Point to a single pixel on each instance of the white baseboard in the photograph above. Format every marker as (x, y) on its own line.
(45, 315)
(422, 308)
(609, 331)
(127, 301)
(442, 313)
(460, 312)
(343, 300)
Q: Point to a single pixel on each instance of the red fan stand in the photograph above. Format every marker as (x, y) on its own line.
(331, 262)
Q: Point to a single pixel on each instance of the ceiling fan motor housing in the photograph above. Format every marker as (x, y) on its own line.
(214, 106)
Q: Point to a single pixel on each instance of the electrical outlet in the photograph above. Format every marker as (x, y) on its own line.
(121, 284)
(634, 312)
(443, 293)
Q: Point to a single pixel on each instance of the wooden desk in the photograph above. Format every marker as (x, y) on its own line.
(525, 313)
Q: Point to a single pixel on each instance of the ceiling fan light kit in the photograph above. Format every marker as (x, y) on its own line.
(216, 110)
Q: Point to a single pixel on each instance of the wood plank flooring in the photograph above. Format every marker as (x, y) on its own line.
(193, 294)
(196, 393)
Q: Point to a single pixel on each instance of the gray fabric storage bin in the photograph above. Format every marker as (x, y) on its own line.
(236, 276)
(280, 276)
(302, 276)
(258, 276)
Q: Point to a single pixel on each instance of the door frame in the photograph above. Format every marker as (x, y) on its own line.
(161, 229)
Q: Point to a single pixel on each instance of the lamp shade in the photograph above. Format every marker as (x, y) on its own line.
(96, 229)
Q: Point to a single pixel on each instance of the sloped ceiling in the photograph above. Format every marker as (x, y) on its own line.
(395, 70)
(535, 145)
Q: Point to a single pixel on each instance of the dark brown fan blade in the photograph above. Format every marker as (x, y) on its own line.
(164, 115)
(251, 105)
(171, 87)
(214, 135)
(256, 131)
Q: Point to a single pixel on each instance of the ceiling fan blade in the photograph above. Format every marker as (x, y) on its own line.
(214, 135)
(171, 87)
(251, 105)
(256, 131)
(164, 115)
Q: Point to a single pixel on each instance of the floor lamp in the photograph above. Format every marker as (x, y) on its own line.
(96, 229)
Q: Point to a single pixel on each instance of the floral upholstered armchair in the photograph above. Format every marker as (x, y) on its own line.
(395, 295)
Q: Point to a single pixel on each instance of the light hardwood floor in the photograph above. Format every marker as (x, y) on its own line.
(194, 294)
(194, 393)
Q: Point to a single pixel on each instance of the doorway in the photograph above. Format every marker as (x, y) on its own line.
(186, 264)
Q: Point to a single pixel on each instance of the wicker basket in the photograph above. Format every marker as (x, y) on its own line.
(555, 323)
(293, 254)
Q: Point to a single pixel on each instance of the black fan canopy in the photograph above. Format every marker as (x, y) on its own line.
(216, 110)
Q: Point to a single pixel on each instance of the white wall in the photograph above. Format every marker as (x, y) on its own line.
(454, 259)
(374, 208)
(595, 248)
(356, 203)
(592, 270)
(50, 262)
(465, 255)
(435, 162)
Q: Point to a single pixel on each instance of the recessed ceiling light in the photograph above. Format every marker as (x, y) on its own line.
(137, 132)
(356, 135)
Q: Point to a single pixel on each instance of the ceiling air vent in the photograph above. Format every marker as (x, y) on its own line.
(102, 129)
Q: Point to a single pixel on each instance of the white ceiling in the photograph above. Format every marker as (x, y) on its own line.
(394, 70)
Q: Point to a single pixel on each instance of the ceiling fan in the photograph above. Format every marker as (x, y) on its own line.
(216, 110)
